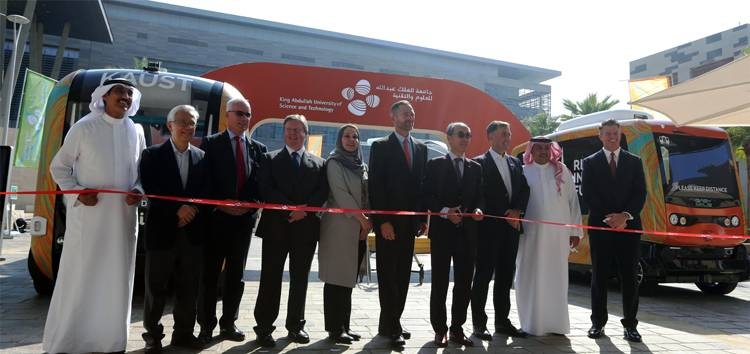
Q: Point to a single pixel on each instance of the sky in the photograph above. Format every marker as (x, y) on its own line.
(590, 42)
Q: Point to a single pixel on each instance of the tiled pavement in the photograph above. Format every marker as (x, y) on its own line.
(677, 319)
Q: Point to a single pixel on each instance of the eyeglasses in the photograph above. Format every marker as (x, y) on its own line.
(241, 113)
(463, 135)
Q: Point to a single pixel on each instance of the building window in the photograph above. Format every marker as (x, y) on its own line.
(186, 41)
(675, 78)
(713, 54)
(638, 69)
(713, 38)
(297, 58)
(232, 48)
(741, 42)
(343, 64)
(142, 35)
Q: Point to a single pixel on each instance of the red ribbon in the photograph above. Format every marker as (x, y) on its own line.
(235, 203)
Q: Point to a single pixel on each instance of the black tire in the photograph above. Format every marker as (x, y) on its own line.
(716, 288)
(42, 284)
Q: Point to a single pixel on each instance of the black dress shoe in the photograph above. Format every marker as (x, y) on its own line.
(482, 333)
(299, 336)
(595, 332)
(153, 342)
(186, 341)
(266, 340)
(355, 336)
(441, 340)
(460, 339)
(406, 334)
(339, 338)
(510, 330)
(398, 341)
(632, 335)
(205, 337)
(232, 333)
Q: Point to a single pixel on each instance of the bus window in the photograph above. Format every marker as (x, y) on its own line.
(699, 171)
(271, 133)
(154, 119)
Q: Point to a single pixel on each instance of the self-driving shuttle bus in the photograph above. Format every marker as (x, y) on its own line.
(693, 188)
(69, 101)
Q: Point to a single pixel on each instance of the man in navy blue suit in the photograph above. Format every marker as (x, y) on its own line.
(614, 188)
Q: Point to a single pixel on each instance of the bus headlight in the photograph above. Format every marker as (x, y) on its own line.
(727, 222)
(735, 221)
(683, 220)
(673, 219)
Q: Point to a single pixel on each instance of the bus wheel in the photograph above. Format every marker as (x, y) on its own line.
(42, 284)
(646, 286)
(716, 288)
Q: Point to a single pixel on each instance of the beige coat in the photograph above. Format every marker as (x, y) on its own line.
(339, 233)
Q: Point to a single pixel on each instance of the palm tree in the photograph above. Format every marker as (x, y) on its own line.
(590, 104)
(541, 124)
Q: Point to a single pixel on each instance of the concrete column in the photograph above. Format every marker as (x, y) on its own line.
(60, 52)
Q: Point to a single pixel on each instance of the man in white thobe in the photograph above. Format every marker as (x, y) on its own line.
(542, 263)
(90, 307)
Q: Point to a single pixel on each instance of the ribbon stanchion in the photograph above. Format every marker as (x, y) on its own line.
(253, 205)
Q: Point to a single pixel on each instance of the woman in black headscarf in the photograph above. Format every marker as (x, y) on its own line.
(343, 236)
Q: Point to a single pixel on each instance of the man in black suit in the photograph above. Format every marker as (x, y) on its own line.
(614, 188)
(174, 230)
(397, 164)
(506, 194)
(232, 160)
(289, 176)
(452, 185)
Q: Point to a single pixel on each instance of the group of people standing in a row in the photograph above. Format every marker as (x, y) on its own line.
(90, 308)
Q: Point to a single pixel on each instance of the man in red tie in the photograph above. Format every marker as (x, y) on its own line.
(397, 164)
(232, 161)
(614, 189)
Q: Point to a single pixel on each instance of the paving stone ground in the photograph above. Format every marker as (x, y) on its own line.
(676, 319)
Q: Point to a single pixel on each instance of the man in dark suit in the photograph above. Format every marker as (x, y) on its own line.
(452, 185)
(232, 160)
(614, 188)
(397, 165)
(174, 230)
(505, 194)
(289, 176)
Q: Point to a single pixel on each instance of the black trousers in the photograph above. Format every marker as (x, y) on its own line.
(297, 242)
(227, 246)
(496, 254)
(181, 263)
(624, 251)
(393, 259)
(337, 300)
(461, 249)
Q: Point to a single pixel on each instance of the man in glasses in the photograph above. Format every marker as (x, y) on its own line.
(452, 186)
(232, 159)
(174, 230)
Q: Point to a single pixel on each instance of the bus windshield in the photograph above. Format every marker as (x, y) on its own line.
(697, 171)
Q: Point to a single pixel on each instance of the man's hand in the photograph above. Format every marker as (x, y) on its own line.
(233, 210)
(133, 199)
(88, 198)
(574, 241)
(616, 220)
(455, 215)
(386, 230)
(480, 215)
(365, 224)
(296, 215)
(515, 214)
(186, 214)
(423, 230)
